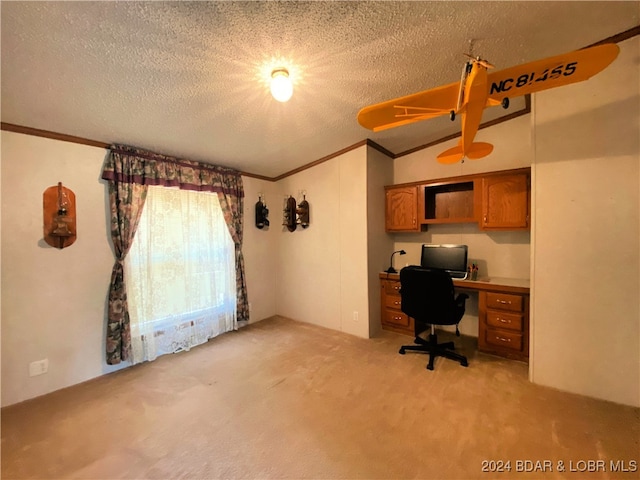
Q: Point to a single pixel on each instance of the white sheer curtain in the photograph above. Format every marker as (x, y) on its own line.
(180, 273)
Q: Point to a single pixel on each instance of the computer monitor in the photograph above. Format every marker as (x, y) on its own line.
(450, 258)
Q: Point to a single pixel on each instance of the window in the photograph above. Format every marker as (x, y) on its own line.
(180, 273)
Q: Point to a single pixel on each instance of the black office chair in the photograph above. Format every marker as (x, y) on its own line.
(428, 297)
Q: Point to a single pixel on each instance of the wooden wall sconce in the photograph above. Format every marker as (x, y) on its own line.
(303, 212)
(295, 214)
(289, 213)
(59, 206)
(262, 213)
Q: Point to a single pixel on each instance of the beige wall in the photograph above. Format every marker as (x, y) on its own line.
(511, 149)
(322, 270)
(53, 301)
(259, 245)
(379, 243)
(586, 251)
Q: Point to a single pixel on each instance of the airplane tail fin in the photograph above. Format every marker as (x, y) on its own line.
(479, 150)
(455, 154)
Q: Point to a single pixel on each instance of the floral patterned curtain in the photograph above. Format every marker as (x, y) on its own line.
(129, 171)
(126, 200)
(232, 203)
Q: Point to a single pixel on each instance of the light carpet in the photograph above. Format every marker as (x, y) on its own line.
(282, 399)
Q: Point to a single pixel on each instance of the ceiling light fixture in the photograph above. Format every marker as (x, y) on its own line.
(281, 86)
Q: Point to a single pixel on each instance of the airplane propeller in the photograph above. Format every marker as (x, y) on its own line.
(482, 62)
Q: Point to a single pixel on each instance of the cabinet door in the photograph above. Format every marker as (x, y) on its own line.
(401, 211)
(505, 202)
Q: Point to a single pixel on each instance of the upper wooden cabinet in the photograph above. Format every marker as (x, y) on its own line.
(401, 209)
(495, 201)
(505, 202)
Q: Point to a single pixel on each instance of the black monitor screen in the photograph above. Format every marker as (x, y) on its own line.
(451, 258)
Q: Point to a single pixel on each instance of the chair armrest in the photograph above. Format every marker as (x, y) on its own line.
(461, 298)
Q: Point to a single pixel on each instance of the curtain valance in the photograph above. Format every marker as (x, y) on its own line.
(127, 164)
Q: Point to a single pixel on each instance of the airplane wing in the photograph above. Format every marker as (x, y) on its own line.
(411, 108)
(551, 72)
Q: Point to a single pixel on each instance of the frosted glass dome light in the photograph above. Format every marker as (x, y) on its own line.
(281, 86)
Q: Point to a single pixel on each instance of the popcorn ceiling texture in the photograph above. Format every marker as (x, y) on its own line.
(191, 78)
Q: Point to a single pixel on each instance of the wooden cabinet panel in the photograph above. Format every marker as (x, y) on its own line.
(393, 301)
(505, 202)
(496, 201)
(401, 209)
(449, 202)
(399, 319)
(390, 302)
(508, 340)
(504, 301)
(509, 321)
(503, 324)
(391, 287)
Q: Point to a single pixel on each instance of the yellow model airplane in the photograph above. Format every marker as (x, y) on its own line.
(478, 89)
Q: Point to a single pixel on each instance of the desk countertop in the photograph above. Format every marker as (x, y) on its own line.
(502, 284)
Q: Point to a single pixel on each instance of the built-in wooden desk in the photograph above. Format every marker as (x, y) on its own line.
(503, 313)
(495, 284)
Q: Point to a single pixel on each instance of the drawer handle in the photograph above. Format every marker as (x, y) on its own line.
(502, 320)
(507, 340)
(504, 302)
(397, 318)
(396, 302)
(396, 287)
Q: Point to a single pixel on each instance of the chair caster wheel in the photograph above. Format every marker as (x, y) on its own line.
(401, 351)
(429, 367)
(464, 364)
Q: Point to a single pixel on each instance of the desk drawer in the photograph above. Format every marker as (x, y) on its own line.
(504, 301)
(508, 340)
(394, 317)
(391, 287)
(510, 321)
(393, 301)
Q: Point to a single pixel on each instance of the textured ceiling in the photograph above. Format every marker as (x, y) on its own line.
(189, 79)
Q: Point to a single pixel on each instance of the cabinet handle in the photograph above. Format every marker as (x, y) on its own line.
(507, 340)
(414, 220)
(502, 320)
(396, 287)
(504, 302)
(396, 303)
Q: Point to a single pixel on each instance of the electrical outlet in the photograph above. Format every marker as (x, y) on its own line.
(39, 367)
(355, 316)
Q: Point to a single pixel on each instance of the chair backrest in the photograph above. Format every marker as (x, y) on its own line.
(428, 296)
